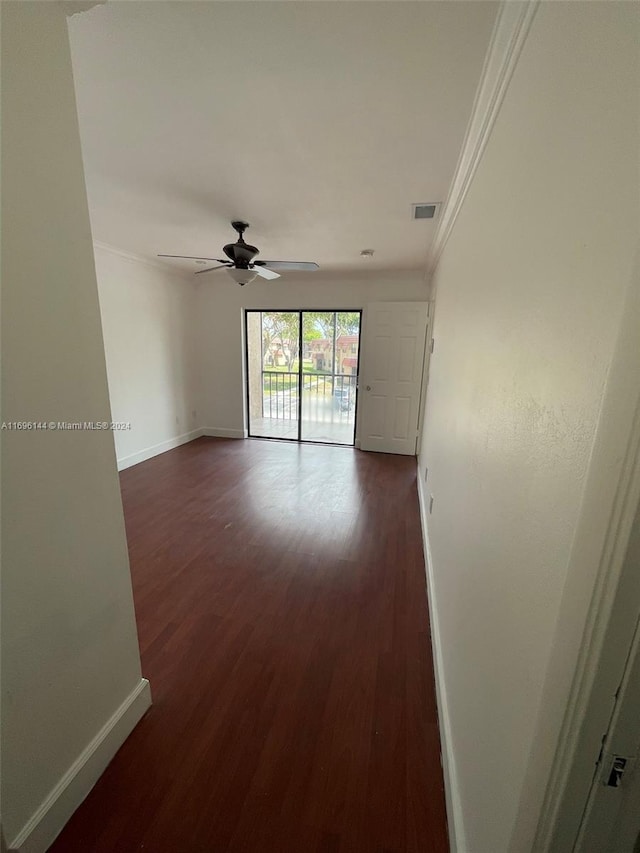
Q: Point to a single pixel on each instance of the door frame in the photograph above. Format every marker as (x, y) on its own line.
(597, 562)
(611, 815)
(426, 366)
(299, 312)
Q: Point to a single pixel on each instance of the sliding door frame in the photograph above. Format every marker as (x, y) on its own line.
(299, 312)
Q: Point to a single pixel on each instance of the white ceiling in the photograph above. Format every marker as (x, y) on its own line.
(319, 123)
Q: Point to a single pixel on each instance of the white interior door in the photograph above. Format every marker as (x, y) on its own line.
(391, 367)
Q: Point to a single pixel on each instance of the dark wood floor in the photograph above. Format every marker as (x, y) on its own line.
(283, 624)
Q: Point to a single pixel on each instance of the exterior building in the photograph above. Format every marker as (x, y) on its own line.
(320, 353)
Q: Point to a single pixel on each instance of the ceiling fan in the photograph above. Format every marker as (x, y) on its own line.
(241, 266)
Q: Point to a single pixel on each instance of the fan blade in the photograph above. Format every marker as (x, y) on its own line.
(288, 265)
(194, 258)
(211, 269)
(265, 273)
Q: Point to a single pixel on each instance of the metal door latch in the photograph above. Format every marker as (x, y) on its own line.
(614, 777)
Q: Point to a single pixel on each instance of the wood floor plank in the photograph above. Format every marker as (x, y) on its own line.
(283, 624)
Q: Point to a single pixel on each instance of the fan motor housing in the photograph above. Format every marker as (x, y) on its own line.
(240, 253)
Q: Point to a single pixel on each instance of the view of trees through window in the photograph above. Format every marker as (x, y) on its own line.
(281, 338)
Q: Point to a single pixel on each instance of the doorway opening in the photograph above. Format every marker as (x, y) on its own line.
(302, 375)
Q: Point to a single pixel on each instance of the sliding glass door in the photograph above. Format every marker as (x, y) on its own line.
(330, 343)
(302, 370)
(273, 373)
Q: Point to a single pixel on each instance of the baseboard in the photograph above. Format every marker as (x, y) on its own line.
(53, 813)
(156, 449)
(215, 432)
(457, 841)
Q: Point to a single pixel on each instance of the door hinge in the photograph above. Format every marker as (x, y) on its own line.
(432, 344)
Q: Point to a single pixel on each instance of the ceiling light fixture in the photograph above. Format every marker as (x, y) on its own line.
(242, 276)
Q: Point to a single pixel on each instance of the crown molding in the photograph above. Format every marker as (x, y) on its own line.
(509, 35)
(140, 259)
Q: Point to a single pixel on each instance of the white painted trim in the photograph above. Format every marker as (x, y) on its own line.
(140, 259)
(215, 432)
(157, 449)
(509, 35)
(457, 841)
(52, 814)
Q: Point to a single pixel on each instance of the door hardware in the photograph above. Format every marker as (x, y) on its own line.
(617, 770)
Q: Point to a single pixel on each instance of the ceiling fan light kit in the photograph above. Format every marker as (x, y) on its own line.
(242, 277)
(241, 265)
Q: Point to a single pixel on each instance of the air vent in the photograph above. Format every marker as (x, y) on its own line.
(425, 211)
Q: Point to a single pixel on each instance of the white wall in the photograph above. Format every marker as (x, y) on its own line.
(220, 326)
(148, 316)
(530, 290)
(70, 661)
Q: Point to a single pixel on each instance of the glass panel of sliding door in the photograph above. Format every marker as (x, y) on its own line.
(273, 373)
(330, 351)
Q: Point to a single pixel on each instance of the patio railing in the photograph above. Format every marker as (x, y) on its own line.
(280, 393)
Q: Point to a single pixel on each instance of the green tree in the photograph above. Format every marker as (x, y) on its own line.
(281, 327)
(347, 323)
